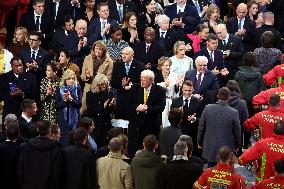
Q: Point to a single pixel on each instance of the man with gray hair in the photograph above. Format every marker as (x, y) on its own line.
(112, 171)
(180, 172)
(147, 102)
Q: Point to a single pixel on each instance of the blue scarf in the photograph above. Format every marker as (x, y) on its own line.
(73, 112)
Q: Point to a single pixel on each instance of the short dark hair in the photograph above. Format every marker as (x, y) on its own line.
(67, 18)
(279, 166)
(267, 39)
(212, 36)
(274, 100)
(38, 34)
(15, 58)
(249, 59)
(279, 127)
(38, 1)
(27, 103)
(200, 28)
(187, 83)
(223, 94)
(86, 122)
(150, 142)
(188, 140)
(114, 28)
(115, 144)
(175, 116)
(66, 52)
(43, 127)
(113, 132)
(224, 153)
(232, 85)
(54, 66)
(101, 5)
(80, 135)
(12, 131)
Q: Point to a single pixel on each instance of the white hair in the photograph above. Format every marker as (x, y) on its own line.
(10, 118)
(162, 18)
(200, 59)
(148, 73)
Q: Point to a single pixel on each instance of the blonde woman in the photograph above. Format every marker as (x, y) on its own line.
(97, 62)
(20, 41)
(99, 107)
(68, 98)
(212, 17)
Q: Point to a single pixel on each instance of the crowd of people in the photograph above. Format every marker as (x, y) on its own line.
(196, 87)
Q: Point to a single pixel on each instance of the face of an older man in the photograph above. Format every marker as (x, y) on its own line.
(145, 82)
(201, 66)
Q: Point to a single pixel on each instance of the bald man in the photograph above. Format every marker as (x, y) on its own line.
(242, 26)
(232, 48)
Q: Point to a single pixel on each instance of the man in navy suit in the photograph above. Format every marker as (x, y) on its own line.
(118, 8)
(205, 82)
(99, 28)
(200, 5)
(183, 16)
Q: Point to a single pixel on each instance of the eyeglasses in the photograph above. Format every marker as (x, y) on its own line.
(32, 39)
(69, 78)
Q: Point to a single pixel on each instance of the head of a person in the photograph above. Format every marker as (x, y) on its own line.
(274, 101)
(241, 11)
(279, 167)
(68, 78)
(52, 70)
(212, 42)
(17, 65)
(43, 128)
(21, 35)
(64, 57)
(181, 2)
(149, 35)
(279, 128)
(115, 145)
(150, 142)
(68, 23)
(10, 118)
(221, 31)
(38, 6)
(150, 6)
(99, 50)
(100, 84)
(87, 123)
(180, 148)
(268, 18)
(35, 40)
(81, 136)
(124, 139)
(55, 132)
(127, 54)
(202, 31)
(163, 22)
(223, 94)
(187, 89)
(188, 140)
(120, 1)
(164, 64)
(179, 49)
(147, 78)
(252, 7)
(212, 13)
(103, 10)
(267, 39)
(81, 28)
(201, 64)
(90, 4)
(130, 20)
(113, 132)
(175, 116)
(13, 131)
(2, 43)
(225, 154)
(233, 86)
(29, 107)
(115, 33)
(249, 59)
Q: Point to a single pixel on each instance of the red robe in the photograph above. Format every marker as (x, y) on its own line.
(272, 76)
(271, 183)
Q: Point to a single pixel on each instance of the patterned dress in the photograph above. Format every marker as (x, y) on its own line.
(48, 110)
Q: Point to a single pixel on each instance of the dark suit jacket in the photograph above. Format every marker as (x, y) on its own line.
(59, 39)
(218, 58)
(190, 16)
(249, 26)
(155, 52)
(128, 6)
(94, 29)
(169, 40)
(208, 87)
(27, 130)
(63, 9)
(201, 3)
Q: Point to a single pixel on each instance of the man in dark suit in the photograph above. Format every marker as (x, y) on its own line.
(242, 26)
(15, 87)
(232, 48)
(124, 74)
(205, 82)
(200, 5)
(192, 108)
(149, 51)
(118, 8)
(147, 102)
(183, 16)
(99, 28)
(277, 7)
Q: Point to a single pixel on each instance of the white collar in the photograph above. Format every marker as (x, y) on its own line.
(27, 118)
(163, 31)
(226, 38)
(181, 7)
(148, 89)
(183, 98)
(103, 20)
(209, 51)
(35, 50)
(17, 76)
(117, 4)
(37, 14)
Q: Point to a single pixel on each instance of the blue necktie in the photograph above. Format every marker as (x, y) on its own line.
(197, 7)
(127, 68)
(240, 25)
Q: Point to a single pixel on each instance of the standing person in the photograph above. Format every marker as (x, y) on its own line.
(43, 152)
(47, 93)
(79, 163)
(130, 32)
(147, 102)
(219, 125)
(88, 124)
(68, 97)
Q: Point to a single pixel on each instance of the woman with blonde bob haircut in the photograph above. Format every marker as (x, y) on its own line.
(97, 62)
(100, 100)
(20, 41)
(68, 97)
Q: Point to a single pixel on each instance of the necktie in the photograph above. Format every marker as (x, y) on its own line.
(198, 80)
(185, 107)
(37, 23)
(240, 25)
(197, 7)
(120, 12)
(33, 55)
(103, 24)
(211, 56)
(127, 67)
(146, 95)
(74, 12)
(224, 42)
(179, 11)
(147, 47)
(163, 34)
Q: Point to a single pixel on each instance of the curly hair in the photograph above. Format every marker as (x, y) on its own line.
(98, 80)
